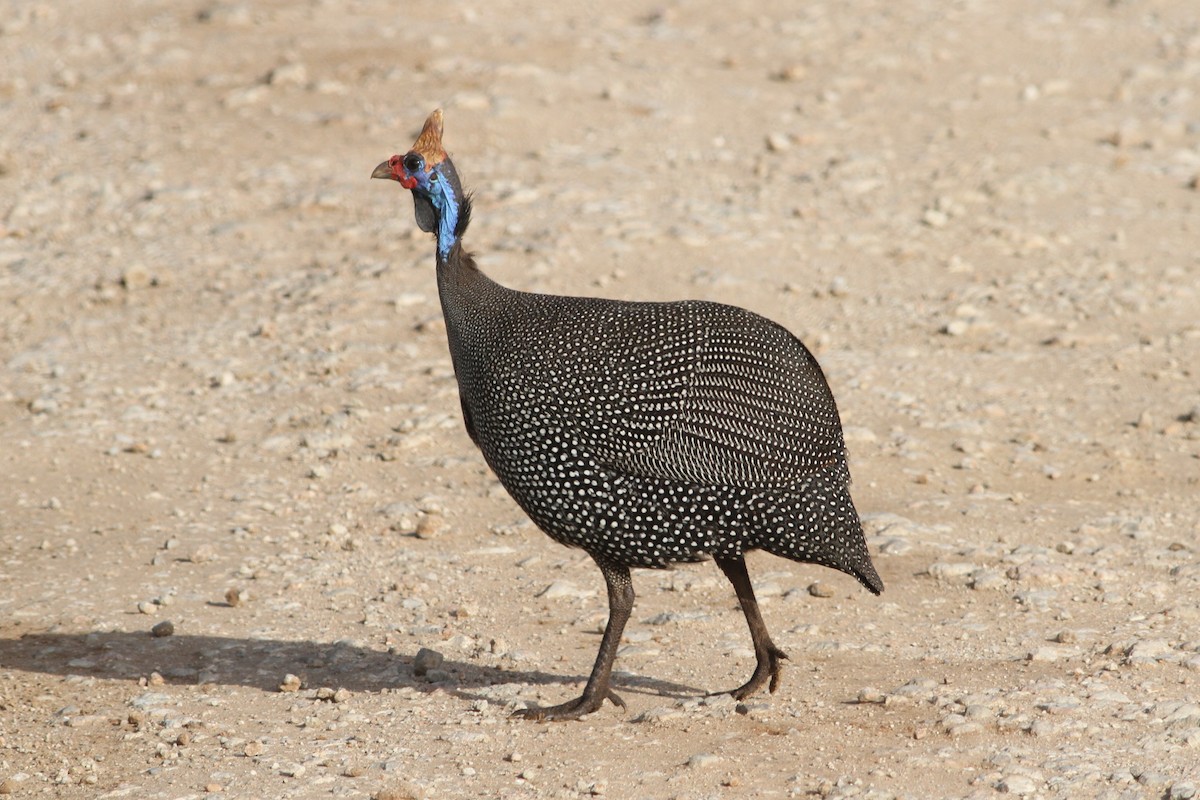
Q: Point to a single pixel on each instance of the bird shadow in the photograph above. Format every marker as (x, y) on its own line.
(263, 663)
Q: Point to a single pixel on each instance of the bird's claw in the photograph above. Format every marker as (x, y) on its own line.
(767, 670)
(572, 709)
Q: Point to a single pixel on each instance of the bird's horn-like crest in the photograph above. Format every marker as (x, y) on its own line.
(429, 143)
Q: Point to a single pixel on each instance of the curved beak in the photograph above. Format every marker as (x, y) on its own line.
(384, 170)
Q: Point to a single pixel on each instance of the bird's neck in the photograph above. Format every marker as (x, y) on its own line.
(463, 288)
(471, 305)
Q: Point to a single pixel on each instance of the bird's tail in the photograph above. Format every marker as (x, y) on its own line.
(818, 524)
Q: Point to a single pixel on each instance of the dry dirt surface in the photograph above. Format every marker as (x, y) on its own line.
(228, 416)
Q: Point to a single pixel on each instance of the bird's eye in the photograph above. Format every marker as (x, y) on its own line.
(414, 163)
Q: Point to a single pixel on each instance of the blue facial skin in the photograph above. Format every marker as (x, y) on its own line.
(434, 186)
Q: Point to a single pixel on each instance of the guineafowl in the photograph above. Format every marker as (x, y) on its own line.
(646, 434)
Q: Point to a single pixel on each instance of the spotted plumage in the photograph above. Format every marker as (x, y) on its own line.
(646, 434)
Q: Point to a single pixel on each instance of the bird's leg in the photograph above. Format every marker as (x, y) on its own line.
(620, 604)
(765, 651)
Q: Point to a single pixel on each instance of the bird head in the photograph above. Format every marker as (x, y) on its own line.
(428, 173)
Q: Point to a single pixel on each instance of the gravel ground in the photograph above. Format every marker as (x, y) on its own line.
(247, 550)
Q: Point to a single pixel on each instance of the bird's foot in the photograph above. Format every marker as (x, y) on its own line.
(768, 669)
(572, 709)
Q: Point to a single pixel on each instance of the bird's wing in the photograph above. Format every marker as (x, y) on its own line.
(712, 394)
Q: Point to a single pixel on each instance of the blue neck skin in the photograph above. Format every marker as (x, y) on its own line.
(434, 186)
(447, 208)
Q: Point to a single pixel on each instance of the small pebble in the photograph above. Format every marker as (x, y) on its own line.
(426, 660)
(964, 729)
(584, 786)
(1153, 779)
(1183, 790)
(1017, 784)
(164, 628)
(1045, 654)
(896, 546)
(291, 683)
(333, 695)
(136, 277)
(201, 555)
(659, 714)
(393, 794)
(988, 579)
(792, 73)
(429, 526)
(820, 589)
(956, 327)
(234, 597)
(702, 760)
(871, 695)
(1148, 651)
(1041, 727)
(778, 142)
(935, 218)
(294, 74)
(953, 571)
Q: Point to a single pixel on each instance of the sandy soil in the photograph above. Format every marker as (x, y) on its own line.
(226, 401)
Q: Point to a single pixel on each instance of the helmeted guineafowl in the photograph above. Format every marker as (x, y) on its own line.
(644, 433)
